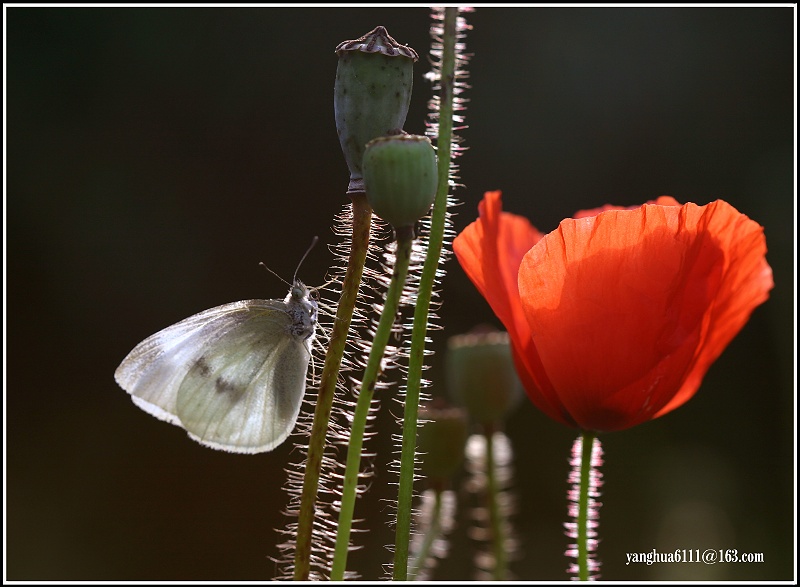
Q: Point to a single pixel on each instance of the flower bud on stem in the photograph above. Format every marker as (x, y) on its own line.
(442, 438)
(400, 177)
(371, 98)
(481, 375)
(371, 95)
(422, 309)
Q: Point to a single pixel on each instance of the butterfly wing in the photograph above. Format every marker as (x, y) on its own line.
(232, 376)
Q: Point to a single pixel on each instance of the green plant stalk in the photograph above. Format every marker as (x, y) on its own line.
(362, 221)
(420, 327)
(587, 446)
(432, 534)
(498, 538)
(405, 238)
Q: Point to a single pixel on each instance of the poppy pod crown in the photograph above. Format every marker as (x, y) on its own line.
(616, 315)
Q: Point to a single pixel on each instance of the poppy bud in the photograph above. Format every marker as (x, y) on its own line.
(400, 178)
(481, 374)
(441, 443)
(371, 94)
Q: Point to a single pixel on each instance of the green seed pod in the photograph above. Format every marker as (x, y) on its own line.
(371, 95)
(441, 443)
(400, 178)
(481, 375)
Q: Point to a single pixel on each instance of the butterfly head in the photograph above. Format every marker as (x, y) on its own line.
(300, 293)
(303, 306)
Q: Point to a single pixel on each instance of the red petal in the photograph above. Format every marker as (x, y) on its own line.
(661, 201)
(490, 251)
(620, 304)
(746, 282)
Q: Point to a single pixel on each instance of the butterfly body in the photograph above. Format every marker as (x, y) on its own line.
(232, 376)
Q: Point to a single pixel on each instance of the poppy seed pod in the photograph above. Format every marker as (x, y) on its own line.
(371, 94)
(481, 375)
(400, 178)
(442, 439)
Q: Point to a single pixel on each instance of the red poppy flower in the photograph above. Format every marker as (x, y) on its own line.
(616, 316)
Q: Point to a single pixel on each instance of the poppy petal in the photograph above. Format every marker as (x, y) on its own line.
(661, 201)
(746, 282)
(490, 251)
(618, 305)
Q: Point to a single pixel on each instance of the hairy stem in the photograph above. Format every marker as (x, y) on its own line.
(583, 505)
(362, 220)
(495, 517)
(420, 327)
(371, 374)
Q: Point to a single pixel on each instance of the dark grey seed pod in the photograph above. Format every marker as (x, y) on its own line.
(371, 95)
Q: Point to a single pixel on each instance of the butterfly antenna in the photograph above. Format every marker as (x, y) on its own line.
(311, 246)
(275, 274)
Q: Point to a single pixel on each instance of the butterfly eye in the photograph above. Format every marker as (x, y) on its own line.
(314, 295)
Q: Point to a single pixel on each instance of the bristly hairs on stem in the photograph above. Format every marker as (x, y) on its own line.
(448, 76)
(362, 111)
(583, 507)
(323, 533)
(382, 356)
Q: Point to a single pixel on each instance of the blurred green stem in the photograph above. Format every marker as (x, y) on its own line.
(362, 221)
(420, 328)
(432, 534)
(405, 237)
(495, 517)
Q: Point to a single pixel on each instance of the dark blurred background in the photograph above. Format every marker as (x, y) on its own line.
(156, 155)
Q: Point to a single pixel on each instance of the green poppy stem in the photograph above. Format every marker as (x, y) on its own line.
(420, 327)
(405, 237)
(495, 517)
(585, 503)
(362, 221)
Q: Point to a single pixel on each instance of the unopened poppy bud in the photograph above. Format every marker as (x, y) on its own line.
(441, 442)
(481, 375)
(400, 178)
(371, 94)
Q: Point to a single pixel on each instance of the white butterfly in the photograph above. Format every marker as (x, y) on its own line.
(233, 376)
